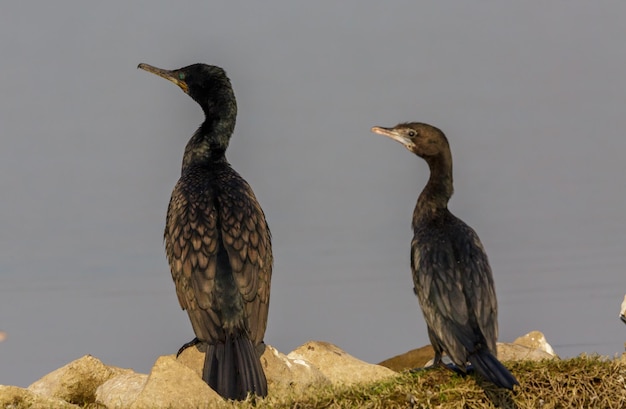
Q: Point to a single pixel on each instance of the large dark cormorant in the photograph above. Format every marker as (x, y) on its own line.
(451, 274)
(217, 241)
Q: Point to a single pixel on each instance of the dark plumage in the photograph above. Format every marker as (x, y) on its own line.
(451, 273)
(217, 241)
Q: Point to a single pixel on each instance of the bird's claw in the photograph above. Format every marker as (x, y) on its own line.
(191, 343)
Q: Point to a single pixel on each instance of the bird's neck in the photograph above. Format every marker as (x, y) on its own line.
(439, 188)
(208, 145)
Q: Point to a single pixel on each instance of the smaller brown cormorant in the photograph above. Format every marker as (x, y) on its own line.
(217, 242)
(451, 274)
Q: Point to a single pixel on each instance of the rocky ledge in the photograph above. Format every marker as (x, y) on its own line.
(176, 382)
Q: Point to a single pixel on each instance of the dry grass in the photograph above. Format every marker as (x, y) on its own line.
(582, 382)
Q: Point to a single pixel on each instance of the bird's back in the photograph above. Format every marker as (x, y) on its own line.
(454, 284)
(218, 245)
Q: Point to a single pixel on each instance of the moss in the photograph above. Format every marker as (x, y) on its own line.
(585, 381)
(581, 382)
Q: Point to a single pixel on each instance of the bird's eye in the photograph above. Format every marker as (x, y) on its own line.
(181, 76)
(411, 133)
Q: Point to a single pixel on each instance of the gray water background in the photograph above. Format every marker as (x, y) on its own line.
(531, 95)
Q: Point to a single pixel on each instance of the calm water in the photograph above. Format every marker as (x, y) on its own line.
(531, 99)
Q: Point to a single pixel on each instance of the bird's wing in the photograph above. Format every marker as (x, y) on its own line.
(191, 243)
(247, 240)
(441, 297)
(480, 289)
(455, 290)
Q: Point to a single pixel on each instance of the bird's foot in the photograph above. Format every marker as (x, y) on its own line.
(455, 368)
(434, 363)
(450, 366)
(191, 343)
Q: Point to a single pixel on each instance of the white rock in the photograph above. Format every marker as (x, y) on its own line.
(337, 365)
(535, 340)
(285, 374)
(121, 391)
(517, 352)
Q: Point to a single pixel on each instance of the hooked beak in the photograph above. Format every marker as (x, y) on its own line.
(168, 75)
(393, 134)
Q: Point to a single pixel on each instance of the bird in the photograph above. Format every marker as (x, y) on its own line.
(217, 241)
(622, 313)
(451, 274)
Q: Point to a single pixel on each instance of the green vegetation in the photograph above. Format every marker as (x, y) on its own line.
(582, 382)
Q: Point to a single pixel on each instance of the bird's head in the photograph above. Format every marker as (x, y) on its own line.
(422, 139)
(208, 85)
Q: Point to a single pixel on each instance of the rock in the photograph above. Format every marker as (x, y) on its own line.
(517, 352)
(532, 346)
(415, 358)
(14, 397)
(281, 372)
(338, 366)
(121, 390)
(174, 385)
(287, 374)
(512, 352)
(117, 371)
(535, 340)
(75, 382)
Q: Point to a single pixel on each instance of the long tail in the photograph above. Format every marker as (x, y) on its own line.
(233, 369)
(491, 369)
